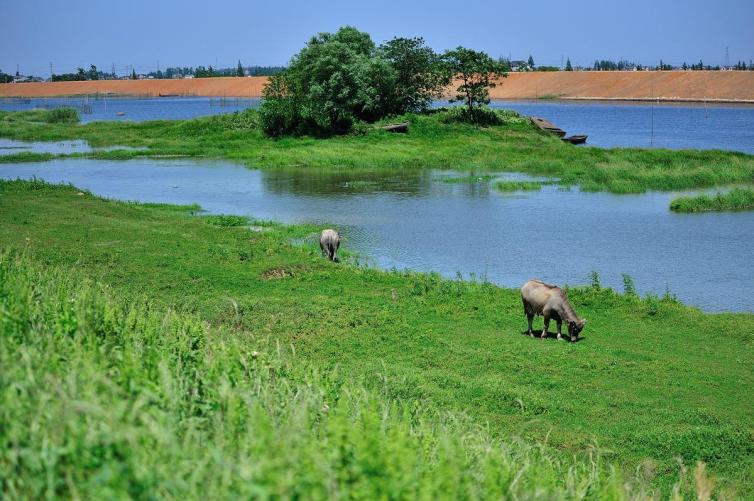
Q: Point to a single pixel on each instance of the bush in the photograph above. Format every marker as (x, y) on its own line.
(63, 115)
(479, 116)
(279, 117)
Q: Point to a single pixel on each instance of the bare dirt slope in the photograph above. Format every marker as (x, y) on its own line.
(733, 86)
(665, 85)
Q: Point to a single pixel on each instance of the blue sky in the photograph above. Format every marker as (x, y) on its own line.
(75, 33)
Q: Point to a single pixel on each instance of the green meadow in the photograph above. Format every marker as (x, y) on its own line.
(152, 351)
(434, 141)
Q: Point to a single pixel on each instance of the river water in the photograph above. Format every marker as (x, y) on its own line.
(413, 219)
(688, 125)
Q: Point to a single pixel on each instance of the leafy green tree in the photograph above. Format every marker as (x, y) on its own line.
(239, 69)
(530, 62)
(133, 74)
(334, 81)
(421, 76)
(477, 73)
(568, 65)
(92, 73)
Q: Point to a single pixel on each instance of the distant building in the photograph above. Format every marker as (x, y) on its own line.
(26, 79)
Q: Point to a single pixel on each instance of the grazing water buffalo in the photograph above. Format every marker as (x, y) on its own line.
(329, 241)
(550, 301)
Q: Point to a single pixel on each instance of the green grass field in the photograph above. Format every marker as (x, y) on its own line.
(437, 367)
(516, 146)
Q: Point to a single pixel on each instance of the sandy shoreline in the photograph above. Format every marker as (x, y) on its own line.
(666, 86)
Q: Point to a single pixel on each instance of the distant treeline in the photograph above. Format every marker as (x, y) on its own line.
(206, 72)
(508, 65)
(172, 72)
(91, 74)
(619, 65)
(622, 65)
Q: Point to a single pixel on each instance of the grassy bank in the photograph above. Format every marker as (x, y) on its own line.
(103, 398)
(651, 382)
(734, 200)
(515, 146)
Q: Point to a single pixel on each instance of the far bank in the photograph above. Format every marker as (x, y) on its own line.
(713, 86)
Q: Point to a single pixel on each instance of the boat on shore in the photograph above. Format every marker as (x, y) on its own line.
(548, 126)
(575, 139)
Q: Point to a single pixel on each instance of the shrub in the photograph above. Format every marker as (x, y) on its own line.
(480, 116)
(594, 279)
(63, 115)
(629, 288)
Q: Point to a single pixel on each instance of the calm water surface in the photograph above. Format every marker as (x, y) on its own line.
(414, 220)
(136, 109)
(12, 147)
(689, 125)
(675, 126)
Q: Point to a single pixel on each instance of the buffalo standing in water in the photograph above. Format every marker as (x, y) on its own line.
(550, 301)
(329, 241)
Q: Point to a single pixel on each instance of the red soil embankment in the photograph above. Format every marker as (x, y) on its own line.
(630, 85)
(730, 86)
(215, 87)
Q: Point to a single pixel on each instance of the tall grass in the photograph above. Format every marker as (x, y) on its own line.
(65, 115)
(736, 199)
(109, 399)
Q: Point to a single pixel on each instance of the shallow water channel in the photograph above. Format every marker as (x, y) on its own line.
(413, 219)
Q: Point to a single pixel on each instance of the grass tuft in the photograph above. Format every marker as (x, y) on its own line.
(734, 200)
(518, 186)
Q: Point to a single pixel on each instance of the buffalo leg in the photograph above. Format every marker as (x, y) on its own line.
(544, 329)
(530, 318)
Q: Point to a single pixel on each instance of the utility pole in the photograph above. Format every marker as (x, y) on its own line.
(50, 71)
(113, 71)
(727, 59)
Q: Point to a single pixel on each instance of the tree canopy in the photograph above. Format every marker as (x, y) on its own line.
(342, 78)
(477, 73)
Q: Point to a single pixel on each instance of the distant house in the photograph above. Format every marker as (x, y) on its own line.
(188, 76)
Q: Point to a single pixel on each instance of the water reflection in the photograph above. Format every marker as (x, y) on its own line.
(321, 182)
(12, 147)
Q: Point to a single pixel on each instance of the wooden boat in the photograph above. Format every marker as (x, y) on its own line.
(576, 139)
(548, 126)
(401, 127)
(168, 95)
